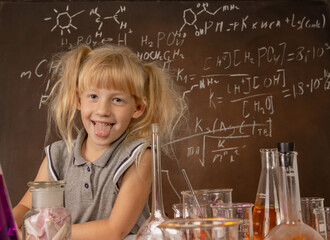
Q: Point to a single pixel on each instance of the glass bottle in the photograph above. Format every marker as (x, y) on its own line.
(7, 222)
(48, 219)
(291, 227)
(266, 212)
(149, 229)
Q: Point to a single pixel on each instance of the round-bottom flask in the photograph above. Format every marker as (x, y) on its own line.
(149, 229)
(291, 226)
(48, 219)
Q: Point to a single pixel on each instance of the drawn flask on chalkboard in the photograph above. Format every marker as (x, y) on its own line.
(266, 212)
(291, 227)
(7, 223)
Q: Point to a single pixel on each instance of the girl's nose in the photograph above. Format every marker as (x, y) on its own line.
(104, 108)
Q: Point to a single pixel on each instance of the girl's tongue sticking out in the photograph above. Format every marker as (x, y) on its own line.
(102, 129)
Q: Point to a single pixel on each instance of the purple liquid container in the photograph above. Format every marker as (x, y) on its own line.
(7, 223)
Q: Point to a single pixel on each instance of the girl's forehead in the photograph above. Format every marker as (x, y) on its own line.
(108, 84)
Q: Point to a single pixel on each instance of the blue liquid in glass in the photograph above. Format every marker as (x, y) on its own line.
(7, 223)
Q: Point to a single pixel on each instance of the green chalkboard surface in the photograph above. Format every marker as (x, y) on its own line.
(253, 72)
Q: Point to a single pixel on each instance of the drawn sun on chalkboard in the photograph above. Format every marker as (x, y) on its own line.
(63, 20)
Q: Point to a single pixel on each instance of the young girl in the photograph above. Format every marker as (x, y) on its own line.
(108, 166)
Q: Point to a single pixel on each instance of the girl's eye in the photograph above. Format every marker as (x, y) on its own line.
(117, 100)
(93, 96)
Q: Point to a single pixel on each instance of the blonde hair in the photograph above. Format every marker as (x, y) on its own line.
(117, 67)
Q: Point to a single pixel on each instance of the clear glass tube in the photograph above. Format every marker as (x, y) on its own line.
(292, 226)
(7, 223)
(266, 212)
(149, 229)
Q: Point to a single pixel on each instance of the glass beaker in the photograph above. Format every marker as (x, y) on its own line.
(48, 219)
(291, 227)
(307, 206)
(201, 228)
(241, 211)
(205, 198)
(322, 221)
(8, 228)
(266, 212)
(149, 229)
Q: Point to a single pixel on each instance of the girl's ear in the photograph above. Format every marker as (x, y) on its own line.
(140, 109)
(78, 100)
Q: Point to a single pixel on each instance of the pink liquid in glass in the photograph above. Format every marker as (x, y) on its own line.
(7, 223)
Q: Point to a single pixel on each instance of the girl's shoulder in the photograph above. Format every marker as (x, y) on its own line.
(57, 147)
(57, 150)
(129, 145)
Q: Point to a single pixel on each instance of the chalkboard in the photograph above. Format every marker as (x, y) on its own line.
(253, 72)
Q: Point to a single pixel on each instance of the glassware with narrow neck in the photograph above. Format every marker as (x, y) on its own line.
(266, 211)
(7, 222)
(291, 227)
(149, 229)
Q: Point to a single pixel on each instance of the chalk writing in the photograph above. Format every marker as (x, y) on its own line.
(236, 66)
(63, 20)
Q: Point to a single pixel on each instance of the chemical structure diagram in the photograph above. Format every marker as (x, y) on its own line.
(64, 20)
(100, 20)
(190, 17)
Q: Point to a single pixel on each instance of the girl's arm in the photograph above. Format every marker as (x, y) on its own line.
(26, 202)
(133, 194)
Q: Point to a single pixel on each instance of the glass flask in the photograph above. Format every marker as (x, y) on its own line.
(149, 228)
(266, 212)
(291, 227)
(7, 222)
(200, 228)
(48, 219)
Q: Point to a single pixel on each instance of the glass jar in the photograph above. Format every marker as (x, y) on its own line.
(48, 219)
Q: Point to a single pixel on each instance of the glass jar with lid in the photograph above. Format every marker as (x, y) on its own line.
(48, 218)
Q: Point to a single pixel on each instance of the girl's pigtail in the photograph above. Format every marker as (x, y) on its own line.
(63, 96)
(165, 106)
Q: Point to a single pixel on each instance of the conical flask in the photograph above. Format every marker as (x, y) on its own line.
(7, 223)
(291, 226)
(149, 229)
(266, 212)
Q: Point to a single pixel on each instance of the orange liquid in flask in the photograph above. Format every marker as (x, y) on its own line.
(260, 230)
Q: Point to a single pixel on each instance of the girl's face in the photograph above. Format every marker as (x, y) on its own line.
(106, 114)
